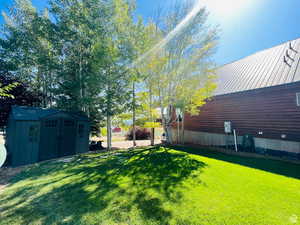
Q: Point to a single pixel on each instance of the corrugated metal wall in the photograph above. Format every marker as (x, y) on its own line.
(271, 110)
(270, 67)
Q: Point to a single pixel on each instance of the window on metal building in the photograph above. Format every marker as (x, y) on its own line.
(51, 123)
(69, 123)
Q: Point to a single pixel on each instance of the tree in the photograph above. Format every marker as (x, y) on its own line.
(182, 74)
(56, 56)
(145, 36)
(111, 57)
(21, 96)
(91, 56)
(147, 112)
(24, 45)
(80, 27)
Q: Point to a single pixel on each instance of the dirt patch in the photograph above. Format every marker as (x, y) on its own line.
(6, 174)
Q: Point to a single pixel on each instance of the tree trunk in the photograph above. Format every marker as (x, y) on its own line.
(182, 128)
(178, 128)
(152, 136)
(169, 137)
(108, 132)
(80, 82)
(168, 133)
(108, 116)
(133, 116)
(165, 126)
(151, 117)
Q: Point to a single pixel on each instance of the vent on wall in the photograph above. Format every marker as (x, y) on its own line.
(298, 98)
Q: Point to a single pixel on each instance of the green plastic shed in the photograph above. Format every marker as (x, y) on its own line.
(36, 134)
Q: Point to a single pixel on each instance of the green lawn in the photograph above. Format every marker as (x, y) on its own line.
(157, 186)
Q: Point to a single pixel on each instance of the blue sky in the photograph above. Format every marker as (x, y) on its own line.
(247, 25)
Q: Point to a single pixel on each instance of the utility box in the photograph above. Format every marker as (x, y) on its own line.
(248, 143)
(228, 127)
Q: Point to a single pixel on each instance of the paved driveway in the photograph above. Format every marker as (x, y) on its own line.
(129, 144)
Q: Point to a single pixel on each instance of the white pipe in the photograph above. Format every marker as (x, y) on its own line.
(178, 129)
(235, 141)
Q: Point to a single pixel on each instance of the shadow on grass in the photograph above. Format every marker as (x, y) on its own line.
(274, 166)
(101, 188)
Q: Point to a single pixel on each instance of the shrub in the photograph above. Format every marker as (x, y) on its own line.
(103, 132)
(140, 134)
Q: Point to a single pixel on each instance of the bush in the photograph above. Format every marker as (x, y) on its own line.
(103, 132)
(140, 134)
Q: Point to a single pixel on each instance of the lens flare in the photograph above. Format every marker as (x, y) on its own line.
(196, 8)
(227, 9)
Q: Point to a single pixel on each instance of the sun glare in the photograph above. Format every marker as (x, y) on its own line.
(227, 8)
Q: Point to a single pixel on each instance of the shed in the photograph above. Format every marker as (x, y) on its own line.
(36, 134)
(259, 96)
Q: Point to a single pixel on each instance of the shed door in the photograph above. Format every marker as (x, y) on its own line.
(67, 137)
(48, 143)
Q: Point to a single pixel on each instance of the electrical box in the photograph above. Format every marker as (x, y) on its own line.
(227, 127)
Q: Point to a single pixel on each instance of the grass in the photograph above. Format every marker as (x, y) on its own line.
(155, 186)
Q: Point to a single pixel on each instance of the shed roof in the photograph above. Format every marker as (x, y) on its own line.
(271, 67)
(33, 113)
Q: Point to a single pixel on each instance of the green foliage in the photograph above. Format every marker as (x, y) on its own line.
(181, 73)
(86, 56)
(103, 132)
(75, 52)
(122, 121)
(200, 96)
(152, 125)
(4, 90)
(146, 111)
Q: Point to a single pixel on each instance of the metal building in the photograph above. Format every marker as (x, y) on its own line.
(35, 134)
(259, 96)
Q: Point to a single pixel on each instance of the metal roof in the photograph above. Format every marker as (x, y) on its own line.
(271, 67)
(33, 113)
